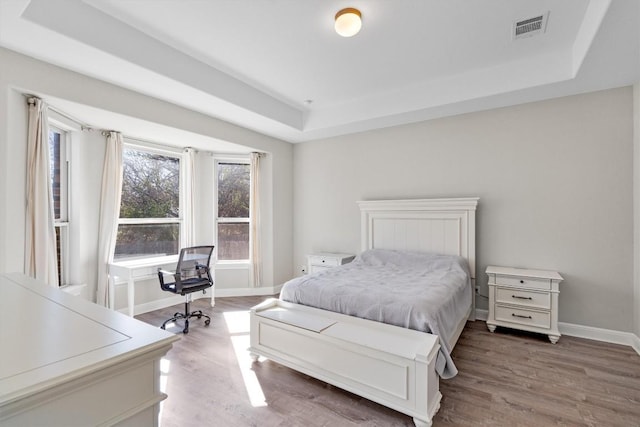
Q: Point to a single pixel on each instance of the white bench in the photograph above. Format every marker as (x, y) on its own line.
(387, 364)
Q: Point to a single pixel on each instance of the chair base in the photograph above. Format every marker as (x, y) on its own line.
(188, 314)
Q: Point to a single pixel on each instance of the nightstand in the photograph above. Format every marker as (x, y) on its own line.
(322, 261)
(524, 299)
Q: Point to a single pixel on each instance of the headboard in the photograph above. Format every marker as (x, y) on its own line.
(446, 226)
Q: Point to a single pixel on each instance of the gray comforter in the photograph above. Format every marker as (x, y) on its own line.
(421, 291)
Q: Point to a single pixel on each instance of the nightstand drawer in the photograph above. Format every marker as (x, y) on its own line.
(523, 317)
(324, 261)
(524, 298)
(524, 282)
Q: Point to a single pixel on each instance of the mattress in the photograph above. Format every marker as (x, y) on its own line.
(421, 291)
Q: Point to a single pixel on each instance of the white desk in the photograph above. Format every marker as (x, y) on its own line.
(140, 269)
(137, 269)
(66, 361)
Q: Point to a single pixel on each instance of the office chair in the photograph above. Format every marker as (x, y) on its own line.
(192, 275)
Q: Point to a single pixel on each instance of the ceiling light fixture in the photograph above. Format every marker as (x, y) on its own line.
(348, 22)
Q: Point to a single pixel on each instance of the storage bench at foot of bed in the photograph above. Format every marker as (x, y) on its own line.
(390, 365)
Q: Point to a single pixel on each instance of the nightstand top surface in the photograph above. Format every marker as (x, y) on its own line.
(331, 254)
(510, 271)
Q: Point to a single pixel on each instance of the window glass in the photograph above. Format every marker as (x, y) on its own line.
(233, 190)
(233, 181)
(147, 239)
(150, 185)
(150, 205)
(54, 169)
(58, 181)
(233, 241)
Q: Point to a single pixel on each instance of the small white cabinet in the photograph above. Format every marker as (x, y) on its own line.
(322, 261)
(524, 299)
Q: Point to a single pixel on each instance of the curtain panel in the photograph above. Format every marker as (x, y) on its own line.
(187, 180)
(255, 249)
(41, 261)
(109, 215)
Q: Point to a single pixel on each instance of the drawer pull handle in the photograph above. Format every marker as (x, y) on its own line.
(519, 297)
(322, 260)
(521, 316)
(521, 281)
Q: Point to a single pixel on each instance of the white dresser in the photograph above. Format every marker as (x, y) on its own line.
(524, 299)
(68, 362)
(324, 260)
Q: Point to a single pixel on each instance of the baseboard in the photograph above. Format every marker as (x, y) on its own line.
(598, 334)
(636, 344)
(219, 293)
(588, 332)
(247, 292)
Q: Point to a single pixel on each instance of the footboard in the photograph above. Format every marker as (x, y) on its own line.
(390, 365)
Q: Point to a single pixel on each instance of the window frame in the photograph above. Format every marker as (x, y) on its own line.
(61, 224)
(130, 144)
(239, 159)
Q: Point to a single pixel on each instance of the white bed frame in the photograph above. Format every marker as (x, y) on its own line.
(393, 366)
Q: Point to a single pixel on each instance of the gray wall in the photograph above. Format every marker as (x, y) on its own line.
(554, 180)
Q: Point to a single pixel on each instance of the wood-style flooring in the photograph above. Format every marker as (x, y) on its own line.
(507, 378)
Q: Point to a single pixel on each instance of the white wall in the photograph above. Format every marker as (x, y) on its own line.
(554, 180)
(88, 150)
(20, 74)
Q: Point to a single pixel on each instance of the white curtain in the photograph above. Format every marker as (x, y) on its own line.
(188, 181)
(41, 261)
(254, 218)
(109, 214)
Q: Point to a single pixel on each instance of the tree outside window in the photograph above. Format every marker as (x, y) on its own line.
(149, 222)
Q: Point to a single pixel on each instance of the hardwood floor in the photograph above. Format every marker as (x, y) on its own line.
(507, 378)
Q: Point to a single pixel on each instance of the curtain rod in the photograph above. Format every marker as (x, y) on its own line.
(31, 100)
(104, 132)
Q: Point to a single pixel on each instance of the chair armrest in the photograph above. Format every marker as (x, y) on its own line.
(175, 274)
(168, 273)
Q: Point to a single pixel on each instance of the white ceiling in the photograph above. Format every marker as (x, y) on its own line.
(255, 63)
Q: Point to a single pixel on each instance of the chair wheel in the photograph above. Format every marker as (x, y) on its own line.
(162, 327)
(185, 331)
(206, 322)
(199, 316)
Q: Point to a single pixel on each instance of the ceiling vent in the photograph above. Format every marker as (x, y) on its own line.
(530, 27)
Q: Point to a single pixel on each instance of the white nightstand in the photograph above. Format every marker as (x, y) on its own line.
(524, 299)
(322, 261)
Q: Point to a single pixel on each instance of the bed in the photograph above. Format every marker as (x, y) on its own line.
(393, 365)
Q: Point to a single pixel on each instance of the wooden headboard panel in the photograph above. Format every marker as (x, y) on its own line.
(446, 226)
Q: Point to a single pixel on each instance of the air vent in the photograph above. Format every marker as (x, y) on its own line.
(530, 27)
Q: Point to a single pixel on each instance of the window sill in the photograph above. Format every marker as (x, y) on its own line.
(232, 265)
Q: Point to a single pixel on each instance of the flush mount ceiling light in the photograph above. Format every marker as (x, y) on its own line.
(348, 22)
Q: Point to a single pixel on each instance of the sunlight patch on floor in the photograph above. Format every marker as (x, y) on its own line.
(238, 322)
(165, 365)
(238, 325)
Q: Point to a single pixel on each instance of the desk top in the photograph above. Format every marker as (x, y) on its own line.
(131, 264)
(49, 336)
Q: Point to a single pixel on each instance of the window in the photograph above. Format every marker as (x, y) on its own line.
(233, 198)
(150, 222)
(58, 169)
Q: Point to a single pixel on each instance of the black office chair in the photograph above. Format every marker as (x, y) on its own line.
(192, 275)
